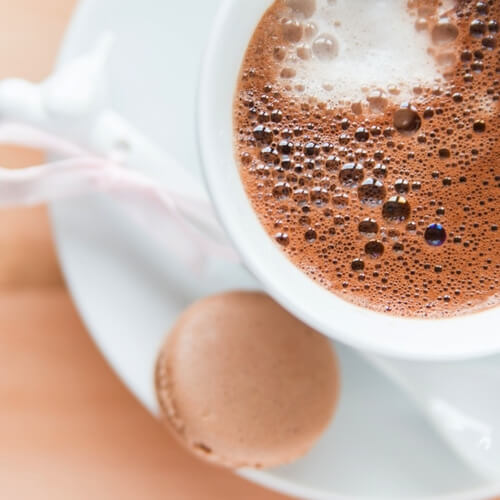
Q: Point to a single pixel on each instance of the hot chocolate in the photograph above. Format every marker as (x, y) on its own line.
(367, 139)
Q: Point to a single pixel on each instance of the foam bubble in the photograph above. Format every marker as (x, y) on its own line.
(356, 48)
(303, 8)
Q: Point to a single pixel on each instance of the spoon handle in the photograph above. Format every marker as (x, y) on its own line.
(458, 400)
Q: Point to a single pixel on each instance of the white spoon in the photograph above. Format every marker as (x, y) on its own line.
(460, 399)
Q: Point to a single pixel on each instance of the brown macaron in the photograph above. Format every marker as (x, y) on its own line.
(242, 383)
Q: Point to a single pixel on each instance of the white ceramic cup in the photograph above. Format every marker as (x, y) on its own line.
(456, 338)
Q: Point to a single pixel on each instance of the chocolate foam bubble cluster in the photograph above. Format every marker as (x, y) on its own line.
(382, 185)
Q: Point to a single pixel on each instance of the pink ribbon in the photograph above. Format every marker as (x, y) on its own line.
(161, 212)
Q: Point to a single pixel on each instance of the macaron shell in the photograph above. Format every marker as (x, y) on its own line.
(242, 383)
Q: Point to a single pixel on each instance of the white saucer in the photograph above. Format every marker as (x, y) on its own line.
(129, 290)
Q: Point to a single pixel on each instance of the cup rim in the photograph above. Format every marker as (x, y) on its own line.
(409, 338)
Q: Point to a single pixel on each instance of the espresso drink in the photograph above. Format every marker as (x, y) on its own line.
(367, 135)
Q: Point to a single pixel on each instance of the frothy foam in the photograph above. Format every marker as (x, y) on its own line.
(348, 49)
(390, 202)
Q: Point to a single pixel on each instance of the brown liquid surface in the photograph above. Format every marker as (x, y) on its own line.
(359, 200)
